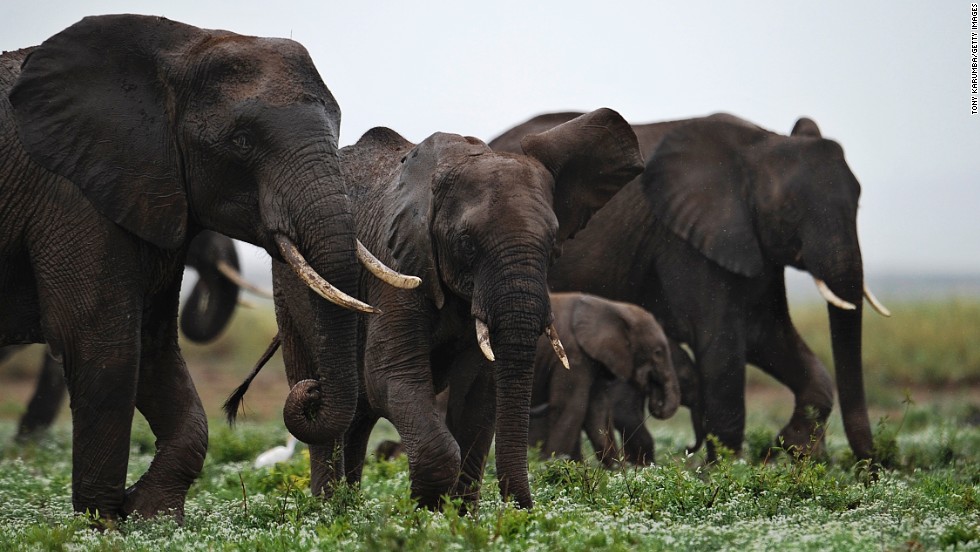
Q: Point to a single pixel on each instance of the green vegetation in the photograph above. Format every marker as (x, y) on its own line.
(923, 367)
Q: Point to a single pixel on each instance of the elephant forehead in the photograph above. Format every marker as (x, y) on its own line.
(278, 71)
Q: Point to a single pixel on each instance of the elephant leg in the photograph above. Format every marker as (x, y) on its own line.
(566, 418)
(599, 429)
(471, 417)
(46, 402)
(168, 400)
(721, 358)
(356, 441)
(784, 355)
(629, 419)
(326, 459)
(399, 385)
(96, 330)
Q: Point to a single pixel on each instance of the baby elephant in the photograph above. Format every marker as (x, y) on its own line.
(607, 343)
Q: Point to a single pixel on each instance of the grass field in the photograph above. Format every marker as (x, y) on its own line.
(923, 378)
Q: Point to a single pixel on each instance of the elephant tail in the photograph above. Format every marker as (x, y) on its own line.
(235, 399)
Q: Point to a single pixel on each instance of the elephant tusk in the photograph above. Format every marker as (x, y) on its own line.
(236, 278)
(875, 303)
(383, 273)
(245, 303)
(483, 338)
(556, 345)
(830, 297)
(316, 282)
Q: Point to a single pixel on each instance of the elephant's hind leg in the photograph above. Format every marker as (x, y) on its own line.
(167, 398)
(46, 401)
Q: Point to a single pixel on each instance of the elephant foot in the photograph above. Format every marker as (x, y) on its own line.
(801, 442)
(148, 503)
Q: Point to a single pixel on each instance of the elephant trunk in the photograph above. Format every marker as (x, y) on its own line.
(307, 213)
(517, 318)
(664, 397)
(842, 271)
(845, 334)
(214, 297)
(514, 374)
(318, 410)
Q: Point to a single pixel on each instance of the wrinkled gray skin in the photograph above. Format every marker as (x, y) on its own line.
(702, 238)
(205, 314)
(606, 341)
(121, 138)
(480, 229)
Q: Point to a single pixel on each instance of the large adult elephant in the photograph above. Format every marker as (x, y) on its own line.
(702, 238)
(203, 317)
(121, 138)
(481, 229)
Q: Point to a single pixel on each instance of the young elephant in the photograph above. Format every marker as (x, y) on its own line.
(608, 343)
(629, 409)
(480, 228)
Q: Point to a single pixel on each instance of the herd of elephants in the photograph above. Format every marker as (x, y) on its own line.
(445, 286)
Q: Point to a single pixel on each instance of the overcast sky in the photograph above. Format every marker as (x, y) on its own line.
(890, 81)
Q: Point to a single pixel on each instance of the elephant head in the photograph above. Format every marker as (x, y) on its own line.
(481, 229)
(628, 342)
(167, 129)
(754, 201)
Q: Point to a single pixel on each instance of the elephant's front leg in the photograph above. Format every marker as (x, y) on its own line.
(629, 418)
(599, 427)
(782, 353)
(96, 330)
(569, 400)
(398, 380)
(168, 400)
(471, 416)
(356, 440)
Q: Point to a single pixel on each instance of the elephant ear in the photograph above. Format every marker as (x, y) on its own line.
(90, 106)
(602, 334)
(590, 157)
(410, 229)
(698, 183)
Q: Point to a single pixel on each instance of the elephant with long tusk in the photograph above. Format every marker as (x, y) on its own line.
(480, 228)
(122, 138)
(702, 239)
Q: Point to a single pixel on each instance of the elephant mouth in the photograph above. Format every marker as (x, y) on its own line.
(483, 339)
(290, 253)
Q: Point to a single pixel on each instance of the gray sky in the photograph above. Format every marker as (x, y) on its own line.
(890, 81)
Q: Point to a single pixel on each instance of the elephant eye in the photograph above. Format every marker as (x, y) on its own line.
(242, 142)
(466, 247)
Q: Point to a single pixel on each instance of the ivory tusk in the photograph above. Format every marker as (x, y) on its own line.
(245, 303)
(483, 338)
(315, 281)
(875, 304)
(382, 272)
(556, 345)
(236, 278)
(830, 297)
